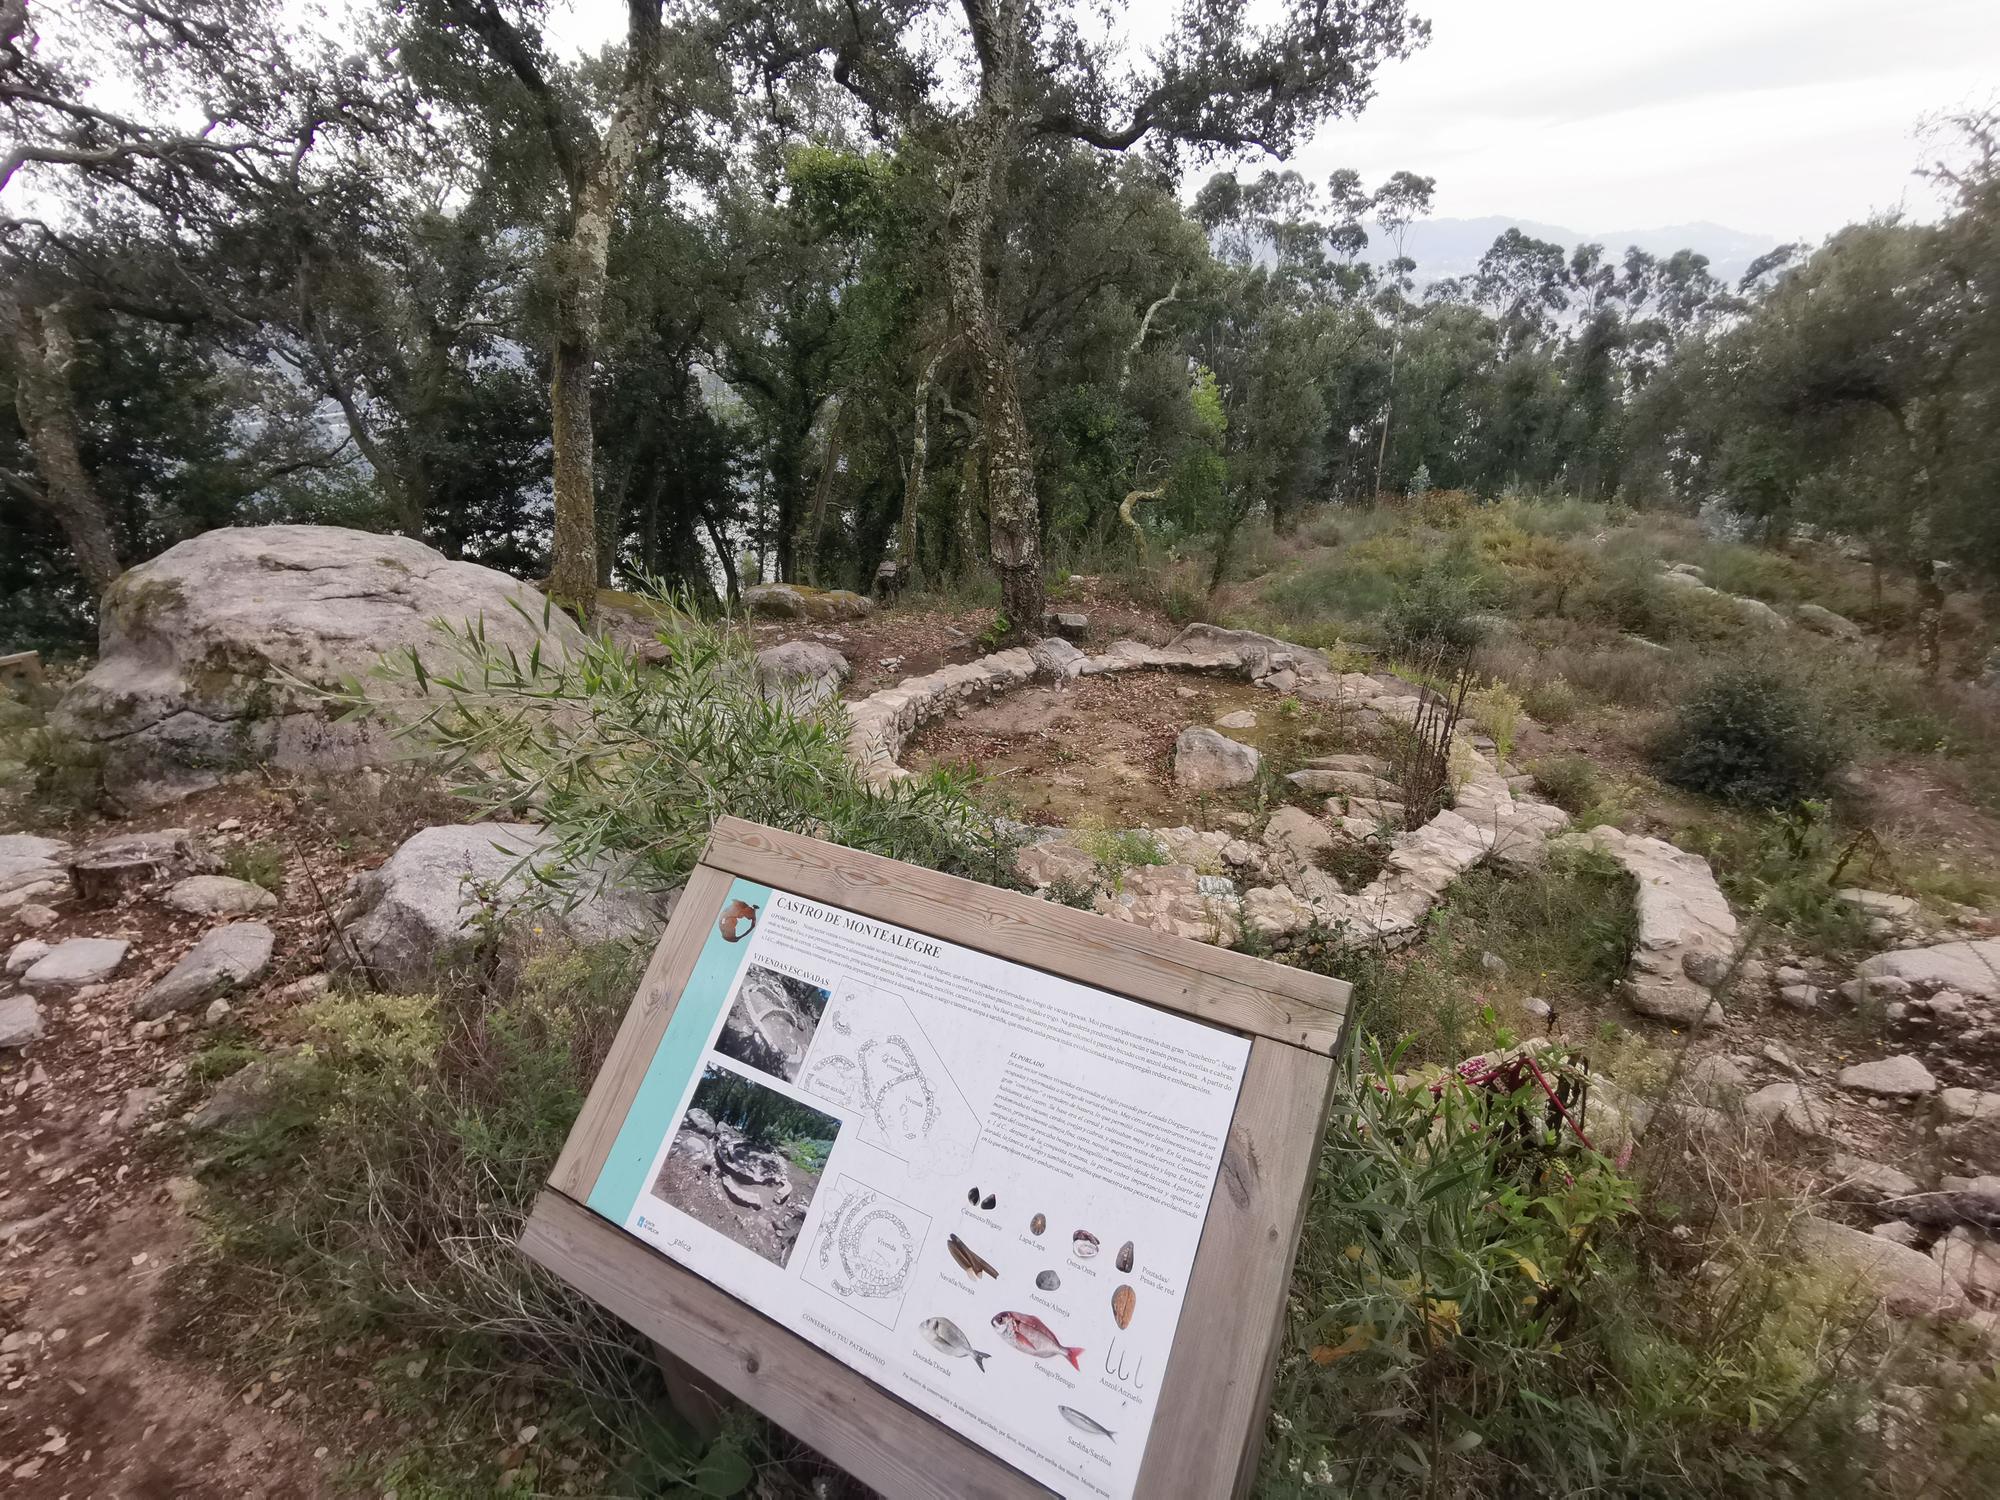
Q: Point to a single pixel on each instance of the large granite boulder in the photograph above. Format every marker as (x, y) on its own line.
(197, 648)
(804, 674)
(431, 898)
(795, 601)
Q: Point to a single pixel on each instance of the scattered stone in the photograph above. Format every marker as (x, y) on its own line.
(1799, 997)
(218, 1011)
(34, 916)
(1791, 974)
(1971, 968)
(242, 1096)
(1785, 1103)
(1972, 1260)
(1878, 903)
(197, 644)
(1367, 765)
(1902, 1077)
(1052, 861)
(1971, 1139)
(20, 1021)
(27, 860)
(1205, 761)
(1864, 1181)
(217, 896)
(301, 990)
(226, 958)
(1716, 1079)
(1346, 783)
(24, 954)
(138, 1104)
(1243, 718)
(1536, 1008)
(1493, 964)
(1912, 1284)
(426, 901)
(1823, 621)
(1171, 899)
(1757, 612)
(1071, 627)
(75, 963)
(1896, 1232)
(803, 674)
(1780, 1056)
(1683, 916)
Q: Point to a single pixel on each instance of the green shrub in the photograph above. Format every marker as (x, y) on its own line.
(1439, 607)
(1569, 781)
(1553, 701)
(1752, 736)
(636, 762)
(372, 1217)
(258, 863)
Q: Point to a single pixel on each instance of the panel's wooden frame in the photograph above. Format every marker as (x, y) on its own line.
(1206, 1427)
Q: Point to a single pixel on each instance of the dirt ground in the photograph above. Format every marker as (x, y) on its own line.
(95, 1399)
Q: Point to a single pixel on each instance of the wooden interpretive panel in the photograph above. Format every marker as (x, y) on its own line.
(976, 1194)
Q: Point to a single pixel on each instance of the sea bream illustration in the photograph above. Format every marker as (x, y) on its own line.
(947, 1337)
(1083, 1423)
(1031, 1335)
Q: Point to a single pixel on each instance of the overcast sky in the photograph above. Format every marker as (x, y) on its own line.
(1783, 117)
(1780, 117)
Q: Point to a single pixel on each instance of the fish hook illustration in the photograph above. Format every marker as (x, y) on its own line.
(1137, 1383)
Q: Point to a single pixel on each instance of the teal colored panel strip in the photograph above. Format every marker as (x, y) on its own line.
(619, 1184)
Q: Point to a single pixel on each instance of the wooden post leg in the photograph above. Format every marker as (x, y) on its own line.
(699, 1404)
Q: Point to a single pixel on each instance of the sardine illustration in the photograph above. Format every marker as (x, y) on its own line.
(1031, 1335)
(947, 1337)
(1048, 1281)
(1083, 1244)
(969, 1260)
(733, 918)
(1083, 1423)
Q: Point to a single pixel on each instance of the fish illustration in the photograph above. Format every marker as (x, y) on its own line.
(1048, 1281)
(969, 1260)
(734, 915)
(1037, 1224)
(1083, 1423)
(1122, 1302)
(947, 1337)
(1125, 1256)
(1031, 1335)
(1083, 1244)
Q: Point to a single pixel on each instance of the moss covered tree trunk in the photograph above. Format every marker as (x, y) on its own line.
(44, 350)
(1013, 511)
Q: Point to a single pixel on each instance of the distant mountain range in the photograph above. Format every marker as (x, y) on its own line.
(1451, 247)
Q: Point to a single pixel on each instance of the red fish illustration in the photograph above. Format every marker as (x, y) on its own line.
(1031, 1335)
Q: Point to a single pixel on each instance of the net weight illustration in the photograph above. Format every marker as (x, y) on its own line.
(865, 1250)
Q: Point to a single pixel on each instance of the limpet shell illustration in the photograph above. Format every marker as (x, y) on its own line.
(1122, 1302)
(1037, 1224)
